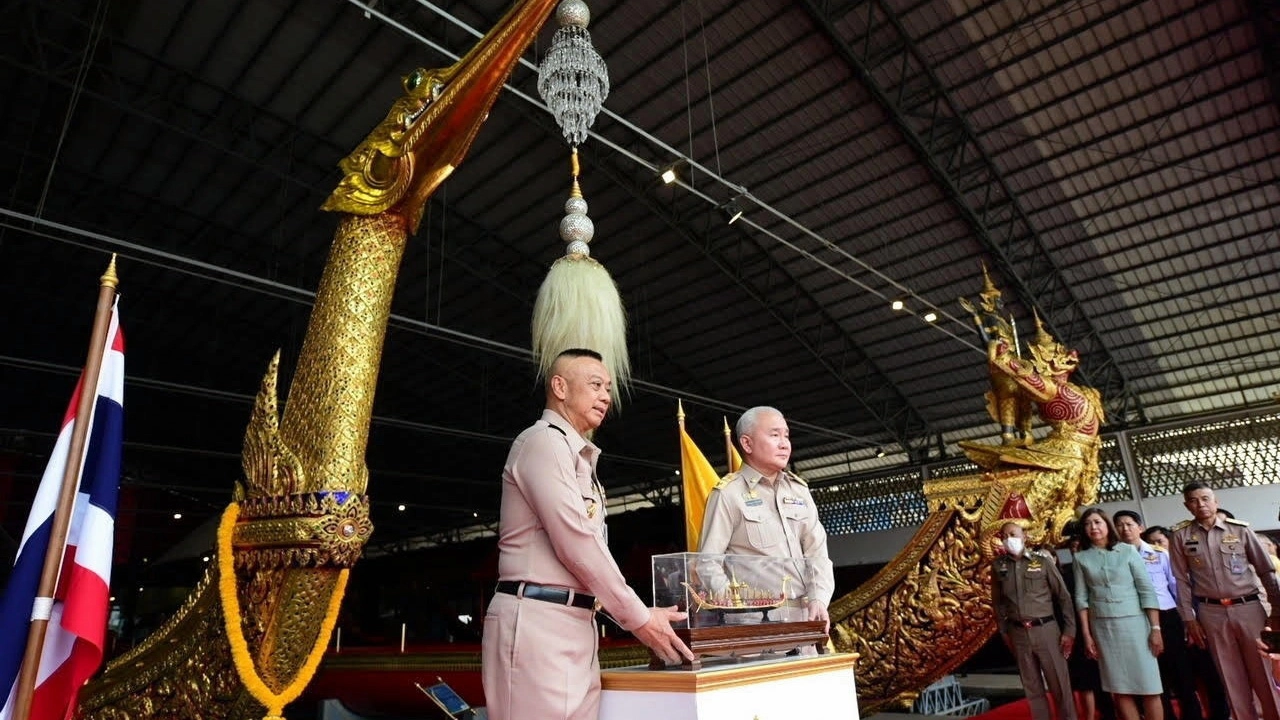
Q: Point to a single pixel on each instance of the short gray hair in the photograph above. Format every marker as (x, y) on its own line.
(747, 423)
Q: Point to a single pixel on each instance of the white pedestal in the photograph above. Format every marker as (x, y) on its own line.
(777, 689)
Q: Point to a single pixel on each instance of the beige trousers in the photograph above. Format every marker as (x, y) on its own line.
(1232, 633)
(539, 661)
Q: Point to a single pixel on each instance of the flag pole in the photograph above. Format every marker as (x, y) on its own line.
(684, 491)
(43, 606)
(728, 446)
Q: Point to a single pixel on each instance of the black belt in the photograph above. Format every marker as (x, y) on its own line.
(557, 595)
(1227, 602)
(1036, 622)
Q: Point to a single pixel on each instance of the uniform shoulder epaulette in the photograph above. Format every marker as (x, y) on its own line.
(724, 481)
(1157, 548)
(1042, 553)
(799, 479)
(1179, 526)
(1233, 521)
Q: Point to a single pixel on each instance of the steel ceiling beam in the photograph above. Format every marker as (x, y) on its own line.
(919, 106)
(1265, 15)
(775, 289)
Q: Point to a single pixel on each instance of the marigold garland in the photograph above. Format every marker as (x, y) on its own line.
(235, 634)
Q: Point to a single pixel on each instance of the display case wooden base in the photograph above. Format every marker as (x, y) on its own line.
(738, 641)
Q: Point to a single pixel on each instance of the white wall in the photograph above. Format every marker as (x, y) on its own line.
(1256, 505)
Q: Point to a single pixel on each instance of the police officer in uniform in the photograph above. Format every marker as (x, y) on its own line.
(1211, 555)
(1026, 589)
(764, 510)
(554, 568)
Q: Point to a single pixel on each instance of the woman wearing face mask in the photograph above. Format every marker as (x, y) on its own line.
(1027, 591)
(1119, 616)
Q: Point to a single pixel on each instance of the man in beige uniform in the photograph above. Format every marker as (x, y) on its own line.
(1211, 556)
(554, 567)
(764, 510)
(1026, 587)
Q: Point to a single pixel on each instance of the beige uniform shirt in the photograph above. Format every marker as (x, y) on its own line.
(551, 530)
(1027, 588)
(1215, 563)
(746, 516)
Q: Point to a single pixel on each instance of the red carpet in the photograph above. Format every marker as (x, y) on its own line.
(1016, 710)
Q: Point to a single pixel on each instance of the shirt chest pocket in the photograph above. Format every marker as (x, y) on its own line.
(1233, 558)
(592, 498)
(795, 513)
(1035, 577)
(760, 532)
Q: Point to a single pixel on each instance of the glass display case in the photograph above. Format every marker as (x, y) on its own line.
(723, 590)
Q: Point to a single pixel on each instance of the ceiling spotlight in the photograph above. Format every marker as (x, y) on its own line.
(732, 209)
(898, 304)
(930, 316)
(668, 172)
(879, 452)
(400, 508)
(177, 516)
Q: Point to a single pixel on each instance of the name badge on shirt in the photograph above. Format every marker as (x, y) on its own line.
(798, 502)
(752, 499)
(1237, 564)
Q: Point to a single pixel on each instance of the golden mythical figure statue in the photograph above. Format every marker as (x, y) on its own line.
(929, 609)
(252, 632)
(1006, 403)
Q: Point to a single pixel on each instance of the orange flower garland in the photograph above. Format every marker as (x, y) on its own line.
(235, 634)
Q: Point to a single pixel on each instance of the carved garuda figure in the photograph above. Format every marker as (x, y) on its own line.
(1065, 460)
(251, 634)
(929, 609)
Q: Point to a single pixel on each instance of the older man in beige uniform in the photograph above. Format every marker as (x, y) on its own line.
(764, 510)
(1211, 556)
(554, 567)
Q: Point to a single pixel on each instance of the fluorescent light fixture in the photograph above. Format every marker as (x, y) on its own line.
(732, 209)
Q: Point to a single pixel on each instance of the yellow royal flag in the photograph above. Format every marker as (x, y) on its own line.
(699, 479)
(731, 452)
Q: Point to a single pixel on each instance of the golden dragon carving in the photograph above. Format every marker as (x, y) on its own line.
(929, 609)
(300, 516)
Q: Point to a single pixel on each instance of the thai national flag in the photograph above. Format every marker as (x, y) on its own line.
(76, 636)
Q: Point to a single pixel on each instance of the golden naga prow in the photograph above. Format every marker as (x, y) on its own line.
(929, 609)
(249, 637)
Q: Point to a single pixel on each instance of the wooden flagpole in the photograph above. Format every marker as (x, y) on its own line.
(43, 606)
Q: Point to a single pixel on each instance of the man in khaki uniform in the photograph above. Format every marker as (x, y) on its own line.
(1211, 556)
(1025, 589)
(554, 567)
(764, 510)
